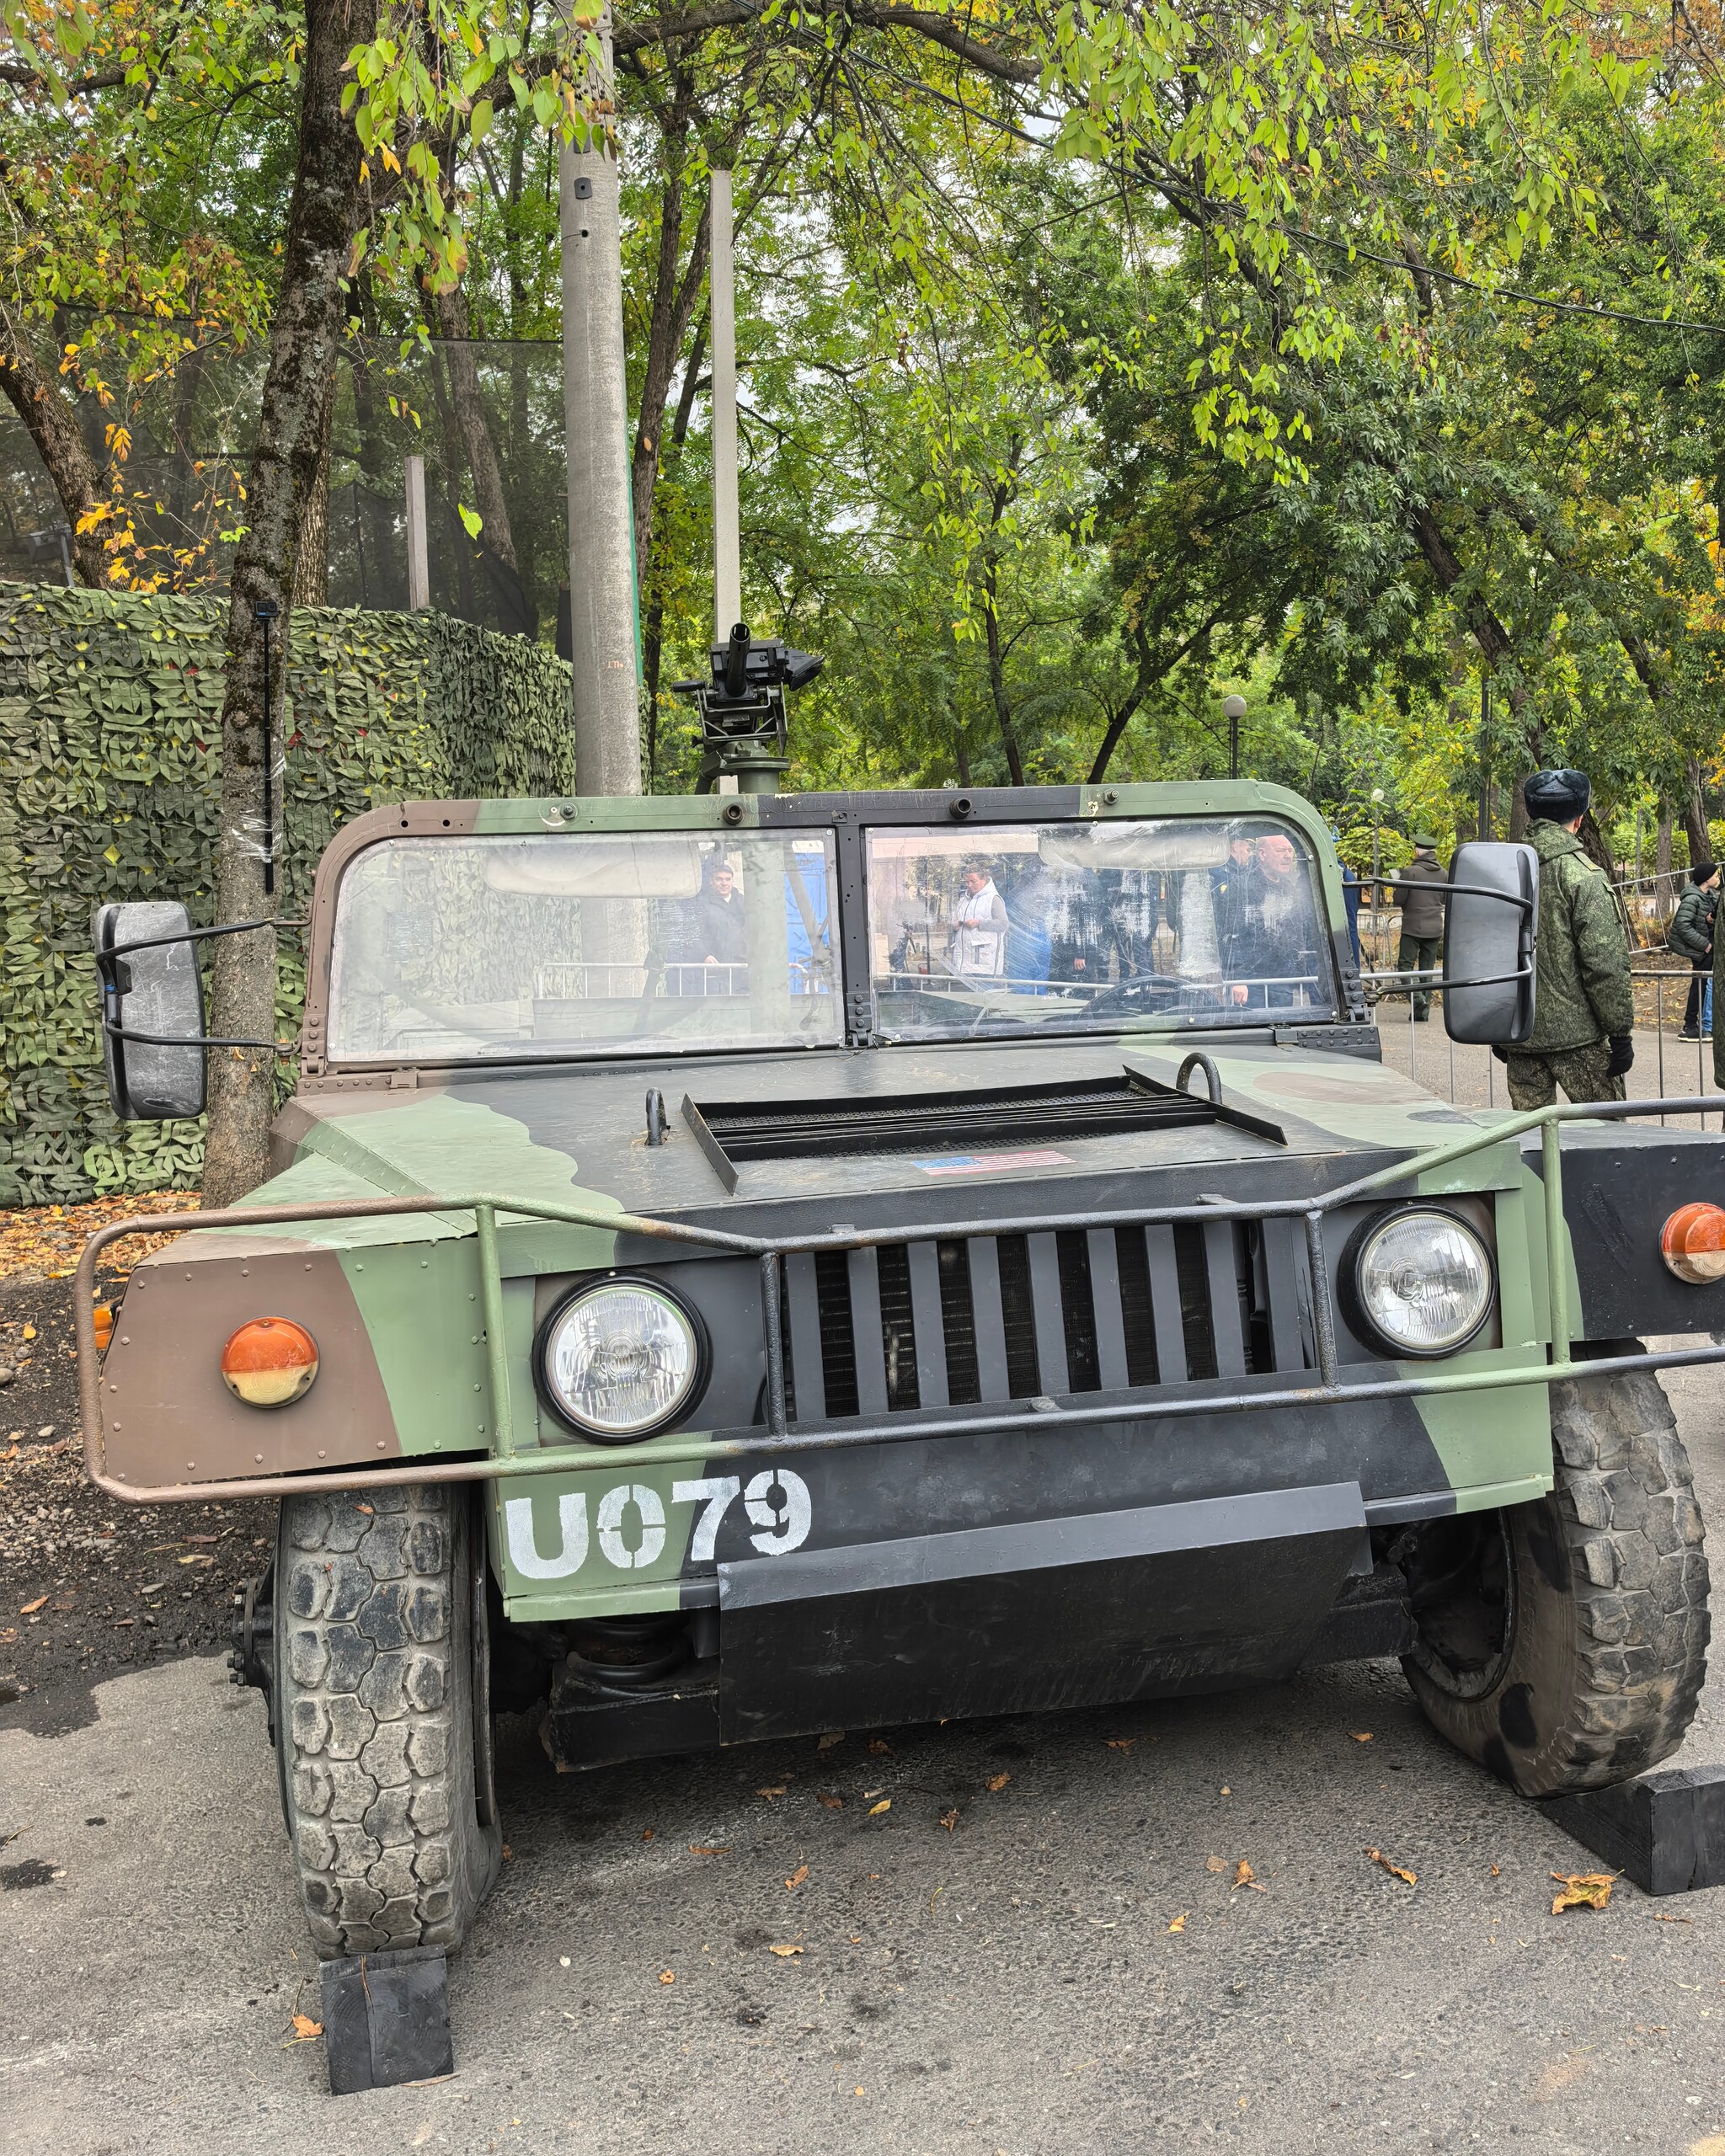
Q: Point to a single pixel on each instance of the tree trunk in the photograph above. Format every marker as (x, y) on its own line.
(303, 339)
(53, 427)
(673, 308)
(449, 321)
(997, 676)
(1694, 814)
(653, 631)
(310, 538)
(1661, 863)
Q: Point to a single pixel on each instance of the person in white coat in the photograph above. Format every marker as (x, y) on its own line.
(978, 950)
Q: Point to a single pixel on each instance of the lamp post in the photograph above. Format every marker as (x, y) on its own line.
(1233, 710)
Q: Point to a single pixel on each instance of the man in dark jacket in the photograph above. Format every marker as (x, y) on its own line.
(1690, 936)
(1583, 1015)
(1422, 919)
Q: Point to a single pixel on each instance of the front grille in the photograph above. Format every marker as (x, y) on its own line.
(997, 1318)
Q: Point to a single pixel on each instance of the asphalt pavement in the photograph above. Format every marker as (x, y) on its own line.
(1045, 1942)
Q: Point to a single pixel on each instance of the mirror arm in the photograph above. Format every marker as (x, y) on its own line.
(112, 991)
(105, 959)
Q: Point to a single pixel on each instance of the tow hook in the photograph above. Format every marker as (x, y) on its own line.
(253, 1659)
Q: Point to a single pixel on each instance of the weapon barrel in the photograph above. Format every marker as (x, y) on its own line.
(736, 661)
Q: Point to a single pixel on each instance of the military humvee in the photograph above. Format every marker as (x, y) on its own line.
(751, 1264)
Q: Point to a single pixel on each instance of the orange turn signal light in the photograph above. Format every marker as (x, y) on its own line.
(1692, 1243)
(269, 1363)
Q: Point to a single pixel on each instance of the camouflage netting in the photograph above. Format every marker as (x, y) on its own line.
(110, 761)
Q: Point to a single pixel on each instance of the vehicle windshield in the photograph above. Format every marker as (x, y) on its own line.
(447, 949)
(1168, 922)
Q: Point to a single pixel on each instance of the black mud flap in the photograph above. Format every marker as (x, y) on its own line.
(1054, 1613)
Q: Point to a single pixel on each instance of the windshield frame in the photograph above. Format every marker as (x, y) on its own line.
(848, 817)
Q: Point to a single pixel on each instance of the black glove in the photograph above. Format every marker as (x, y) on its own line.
(1622, 1055)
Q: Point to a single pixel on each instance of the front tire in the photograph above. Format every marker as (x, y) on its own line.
(1562, 1643)
(375, 1716)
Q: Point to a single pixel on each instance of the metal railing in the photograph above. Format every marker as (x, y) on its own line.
(506, 1458)
(1670, 1044)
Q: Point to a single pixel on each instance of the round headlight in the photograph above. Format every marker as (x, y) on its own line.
(623, 1358)
(1423, 1282)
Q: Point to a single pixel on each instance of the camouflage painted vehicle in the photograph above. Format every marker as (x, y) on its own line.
(748, 1264)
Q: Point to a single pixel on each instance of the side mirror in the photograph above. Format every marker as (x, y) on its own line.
(152, 1011)
(1490, 916)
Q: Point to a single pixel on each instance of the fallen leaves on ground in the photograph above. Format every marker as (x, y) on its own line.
(1582, 1890)
(50, 1239)
(950, 1819)
(1396, 1870)
(1496, 1870)
(667, 1976)
(998, 1782)
(305, 2030)
(1660, 1917)
(709, 1848)
(1215, 1864)
(826, 1796)
(29, 1608)
(1360, 1736)
(647, 1833)
(881, 1749)
(885, 1805)
(776, 1790)
(832, 1737)
(1120, 1744)
(796, 1878)
(784, 1952)
(1244, 1875)
(1179, 1923)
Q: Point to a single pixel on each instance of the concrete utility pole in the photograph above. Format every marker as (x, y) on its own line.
(607, 709)
(726, 536)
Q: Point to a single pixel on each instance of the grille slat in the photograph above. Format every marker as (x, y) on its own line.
(806, 1359)
(1107, 1311)
(1222, 1258)
(1165, 1306)
(922, 1262)
(1047, 1315)
(988, 1318)
(869, 1346)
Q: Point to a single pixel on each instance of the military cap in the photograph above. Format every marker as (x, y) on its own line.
(1425, 842)
(1559, 796)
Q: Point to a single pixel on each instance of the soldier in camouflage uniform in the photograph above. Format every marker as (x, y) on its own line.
(1583, 1015)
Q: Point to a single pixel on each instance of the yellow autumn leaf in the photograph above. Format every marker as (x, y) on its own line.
(1179, 1923)
(305, 2028)
(1360, 1736)
(1582, 1890)
(667, 1976)
(30, 1332)
(885, 1805)
(1377, 1857)
(796, 1878)
(783, 1951)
